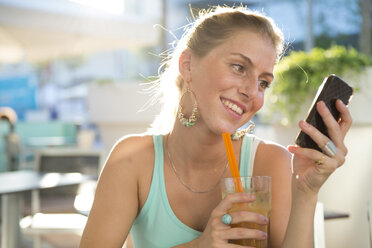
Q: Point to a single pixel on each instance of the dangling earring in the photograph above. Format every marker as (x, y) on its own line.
(240, 133)
(192, 119)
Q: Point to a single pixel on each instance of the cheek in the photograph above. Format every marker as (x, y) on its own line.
(216, 72)
(224, 80)
(258, 102)
(216, 81)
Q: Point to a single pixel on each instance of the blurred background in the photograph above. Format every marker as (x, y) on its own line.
(71, 84)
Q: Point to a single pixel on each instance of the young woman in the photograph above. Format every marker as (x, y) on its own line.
(163, 187)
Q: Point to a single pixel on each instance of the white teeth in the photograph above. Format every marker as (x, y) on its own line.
(233, 106)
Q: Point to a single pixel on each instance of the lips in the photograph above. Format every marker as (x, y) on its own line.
(232, 106)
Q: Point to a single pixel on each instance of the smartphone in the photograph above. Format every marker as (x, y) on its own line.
(331, 89)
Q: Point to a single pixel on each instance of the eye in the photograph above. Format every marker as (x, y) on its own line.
(264, 84)
(239, 68)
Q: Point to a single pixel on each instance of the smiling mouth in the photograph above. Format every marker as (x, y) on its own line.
(232, 106)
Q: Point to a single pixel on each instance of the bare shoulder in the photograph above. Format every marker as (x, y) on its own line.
(130, 158)
(116, 202)
(272, 158)
(129, 150)
(130, 164)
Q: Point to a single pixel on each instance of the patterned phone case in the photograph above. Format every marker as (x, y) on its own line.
(329, 91)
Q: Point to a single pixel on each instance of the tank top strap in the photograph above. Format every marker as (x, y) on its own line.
(246, 164)
(156, 174)
(159, 154)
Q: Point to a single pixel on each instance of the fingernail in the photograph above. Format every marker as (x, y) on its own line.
(264, 235)
(266, 220)
(292, 149)
(251, 197)
(305, 124)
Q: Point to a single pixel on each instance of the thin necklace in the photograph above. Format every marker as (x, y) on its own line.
(183, 183)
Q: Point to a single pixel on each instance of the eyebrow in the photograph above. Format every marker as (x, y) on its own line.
(249, 61)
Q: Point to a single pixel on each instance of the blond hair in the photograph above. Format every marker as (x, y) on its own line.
(212, 28)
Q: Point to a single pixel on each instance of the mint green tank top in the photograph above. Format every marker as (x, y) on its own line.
(157, 226)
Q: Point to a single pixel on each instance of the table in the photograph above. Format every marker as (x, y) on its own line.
(329, 215)
(14, 184)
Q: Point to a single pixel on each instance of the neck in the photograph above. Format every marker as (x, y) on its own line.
(196, 149)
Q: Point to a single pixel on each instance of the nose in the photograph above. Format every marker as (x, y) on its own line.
(250, 88)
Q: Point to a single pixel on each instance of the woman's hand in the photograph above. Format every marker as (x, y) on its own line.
(311, 167)
(217, 234)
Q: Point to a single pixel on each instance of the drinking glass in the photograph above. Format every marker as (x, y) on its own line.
(260, 186)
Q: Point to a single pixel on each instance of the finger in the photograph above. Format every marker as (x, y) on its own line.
(229, 245)
(246, 216)
(227, 203)
(323, 163)
(331, 123)
(243, 233)
(235, 246)
(318, 137)
(345, 117)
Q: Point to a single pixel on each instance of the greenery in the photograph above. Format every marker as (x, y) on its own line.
(104, 81)
(298, 76)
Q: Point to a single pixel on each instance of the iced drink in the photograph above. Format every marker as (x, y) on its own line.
(260, 187)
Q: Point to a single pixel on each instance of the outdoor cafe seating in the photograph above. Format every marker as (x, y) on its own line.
(52, 147)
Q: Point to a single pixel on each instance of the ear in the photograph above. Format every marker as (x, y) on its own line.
(184, 65)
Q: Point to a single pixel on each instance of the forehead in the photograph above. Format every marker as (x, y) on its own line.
(253, 45)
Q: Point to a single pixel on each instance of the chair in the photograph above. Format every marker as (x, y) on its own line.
(369, 216)
(35, 135)
(4, 130)
(65, 218)
(319, 236)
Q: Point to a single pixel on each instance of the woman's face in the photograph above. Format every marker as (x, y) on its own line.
(230, 81)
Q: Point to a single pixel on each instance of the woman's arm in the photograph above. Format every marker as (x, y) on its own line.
(116, 199)
(300, 229)
(278, 166)
(311, 169)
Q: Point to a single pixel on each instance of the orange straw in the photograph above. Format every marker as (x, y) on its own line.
(232, 162)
